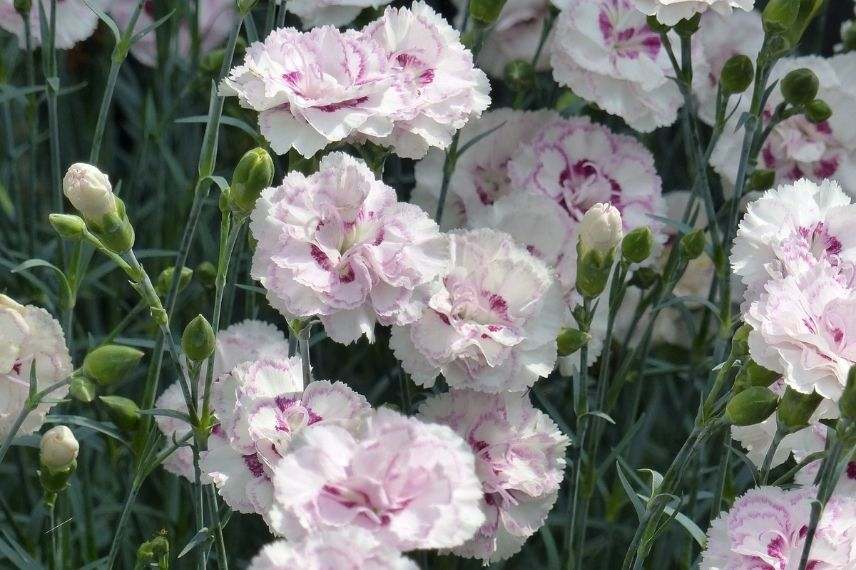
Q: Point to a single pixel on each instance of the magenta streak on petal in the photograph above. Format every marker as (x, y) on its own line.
(347, 104)
(775, 548)
(769, 158)
(827, 167)
(320, 257)
(16, 368)
(348, 276)
(605, 25)
(824, 128)
(255, 465)
(851, 470)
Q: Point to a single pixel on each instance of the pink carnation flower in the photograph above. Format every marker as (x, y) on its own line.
(335, 549)
(217, 18)
(262, 406)
(29, 336)
(767, 526)
(412, 484)
(339, 245)
(481, 173)
(670, 12)
(606, 53)
(315, 88)
(438, 87)
(337, 13)
(491, 323)
(241, 342)
(74, 21)
(520, 460)
(846, 486)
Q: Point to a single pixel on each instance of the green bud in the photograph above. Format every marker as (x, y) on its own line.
(751, 406)
(244, 6)
(762, 179)
(153, 550)
(637, 245)
(520, 75)
(197, 340)
(692, 245)
(83, 389)
(656, 25)
(124, 412)
(847, 402)
(114, 230)
(110, 363)
(164, 282)
(818, 111)
(800, 86)
(777, 46)
(753, 374)
(206, 273)
(23, 7)
(848, 37)
(68, 226)
(779, 16)
(689, 26)
(644, 277)
(571, 340)
(253, 174)
(593, 268)
(737, 74)
(796, 408)
(740, 342)
(212, 61)
(486, 12)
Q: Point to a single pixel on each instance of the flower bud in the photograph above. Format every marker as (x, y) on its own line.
(637, 245)
(753, 374)
(206, 273)
(110, 363)
(125, 413)
(486, 12)
(571, 340)
(164, 282)
(83, 389)
(751, 406)
(762, 179)
(68, 226)
(153, 550)
(818, 111)
(847, 402)
(198, 341)
(848, 36)
(89, 191)
(58, 449)
(212, 61)
(600, 228)
(740, 342)
(800, 86)
(593, 268)
(644, 277)
(780, 15)
(520, 75)
(23, 7)
(796, 408)
(692, 245)
(737, 74)
(253, 174)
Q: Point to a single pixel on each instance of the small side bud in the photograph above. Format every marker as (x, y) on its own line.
(164, 282)
(692, 245)
(206, 273)
(637, 245)
(198, 341)
(69, 227)
(520, 75)
(153, 551)
(737, 74)
(740, 342)
(762, 179)
(110, 363)
(818, 111)
(800, 86)
(644, 277)
(83, 389)
(486, 12)
(124, 412)
(753, 374)
(571, 340)
(848, 36)
(253, 174)
(796, 408)
(847, 402)
(751, 406)
(58, 449)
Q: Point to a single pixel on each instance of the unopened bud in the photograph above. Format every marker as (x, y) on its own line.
(751, 406)
(83, 389)
(89, 191)
(692, 245)
(68, 226)
(818, 111)
(637, 245)
(206, 273)
(796, 408)
(644, 277)
(753, 374)
(571, 340)
(800, 86)
(486, 12)
(164, 283)
(737, 74)
(198, 341)
(58, 449)
(762, 179)
(153, 550)
(124, 412)
(110, 363)
(212, 61)
(253, 174)
(23, 7)
(520, 75)
(600, 228)
(847, 402)
(848, 36)
(780, 15)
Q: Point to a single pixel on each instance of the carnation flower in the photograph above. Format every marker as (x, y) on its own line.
(481, 173)
(262, 406)
(337, 13)
(720, 38)
(514, 36)
(339, 245)
(347, 547)
(606, 53)
(767, 527)
(846, 486)
(315, 88)
(793, 228)
(520, 460)
(29, 336)
(438, 87)
(412, 484)
(216, 20)
(670, 12)
(491, 323)
(804, 327)
(74, 21)
(577, 164)
(241, 342)
(797, 148)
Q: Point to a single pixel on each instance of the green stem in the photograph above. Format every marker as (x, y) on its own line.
(771, 452)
